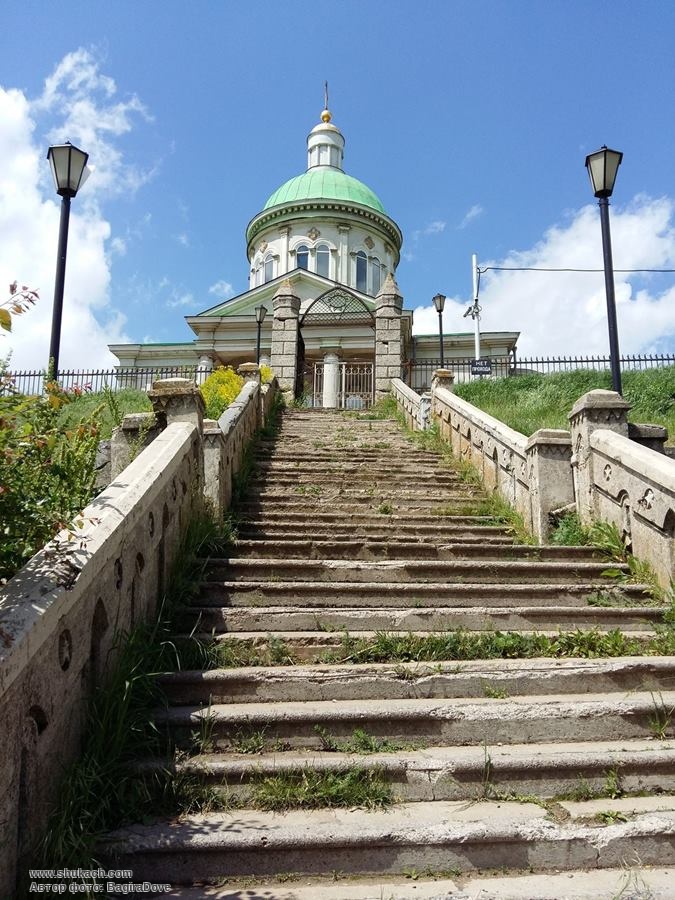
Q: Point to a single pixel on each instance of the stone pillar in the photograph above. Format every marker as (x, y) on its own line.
(249, 372)
(205, 366)
(331, 380)
(596, 409)
(133, 435)
(549, 454)
(388, 337)
(284, 355)
(343, 254)
(217, 481)
(424, 412)
(180, 400)
(443, 378)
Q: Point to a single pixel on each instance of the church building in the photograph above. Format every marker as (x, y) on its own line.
(322, 257)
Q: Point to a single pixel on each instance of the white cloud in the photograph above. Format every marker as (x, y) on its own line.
(222, 289)
(435, 227)
(564, 313)
(177, 300)
(472, 214)
(29, 212)
(183, 239)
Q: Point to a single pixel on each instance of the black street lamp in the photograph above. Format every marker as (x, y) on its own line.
(439, 303)
(69, 171)
(602, 168)
(260, 313)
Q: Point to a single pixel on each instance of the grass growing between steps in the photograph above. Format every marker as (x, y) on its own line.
(309, 789)
(466, 645)
(362, 743)
(101, 791)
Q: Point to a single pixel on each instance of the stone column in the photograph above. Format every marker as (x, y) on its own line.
(205, 365)
(180, 400)
(285, 232)
(343, 254)
(331, 380)
(549, 454)
(249, 372)
(596, 409)
(388, 337)
(284, 354)
(443, 378)
(217, 481)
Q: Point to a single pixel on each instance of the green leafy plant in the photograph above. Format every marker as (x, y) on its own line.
(310, 789)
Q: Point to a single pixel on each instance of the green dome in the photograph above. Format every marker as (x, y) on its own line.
(325, 184)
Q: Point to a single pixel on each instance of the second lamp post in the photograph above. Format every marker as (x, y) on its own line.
(439, 303)
(260, 313)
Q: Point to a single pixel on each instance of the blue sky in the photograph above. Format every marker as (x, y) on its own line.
(470, 120)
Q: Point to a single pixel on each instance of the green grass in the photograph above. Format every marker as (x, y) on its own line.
(529, 402)
(360, 742)
(110, 408)
(309, 789)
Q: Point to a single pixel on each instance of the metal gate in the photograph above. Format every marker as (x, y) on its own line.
(348, 386)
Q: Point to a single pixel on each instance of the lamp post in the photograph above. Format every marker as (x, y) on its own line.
(602, 168)
(68, 165)
(260, 313)
(439, 303)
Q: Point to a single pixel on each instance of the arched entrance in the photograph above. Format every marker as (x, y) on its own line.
(325, 378)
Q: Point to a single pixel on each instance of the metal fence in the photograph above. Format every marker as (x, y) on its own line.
(80, 381)
(418, 373)
(350, 386)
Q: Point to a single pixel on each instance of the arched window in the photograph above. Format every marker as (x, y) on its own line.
(302, 256)
(269, 267)
(361, 271)
(322, 260)
(377, 275)
(258, 274)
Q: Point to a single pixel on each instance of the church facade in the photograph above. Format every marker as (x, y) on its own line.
(322, 257)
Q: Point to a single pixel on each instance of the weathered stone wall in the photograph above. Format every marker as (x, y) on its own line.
(532, 474)
(60, 613)
(618, 472)
(416, 408)
(58, 618)
(620, 480)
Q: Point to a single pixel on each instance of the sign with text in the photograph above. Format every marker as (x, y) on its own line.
(481, 367)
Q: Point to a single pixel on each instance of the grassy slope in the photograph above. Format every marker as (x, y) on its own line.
(127, 401)
(529, 402)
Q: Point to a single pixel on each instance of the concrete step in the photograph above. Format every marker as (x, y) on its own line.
(311, 646)
(361, 594)
(413, 571)
(456, 721)
(313, 494)
(575, 771)
(441, 835)
(429, 619)
(632, 881)
(397, 548)
(356, 517)
(462, 678)
(292, 532)
(381, 504)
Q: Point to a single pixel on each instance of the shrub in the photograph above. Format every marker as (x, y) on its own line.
(220, 389)
(266, 374)
(46, 472)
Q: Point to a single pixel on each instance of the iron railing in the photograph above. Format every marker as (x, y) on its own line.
(351, 386)
(418, 373)
(92, 381)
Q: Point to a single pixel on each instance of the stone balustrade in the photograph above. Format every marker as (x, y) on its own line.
(60, 613)
(416, 408)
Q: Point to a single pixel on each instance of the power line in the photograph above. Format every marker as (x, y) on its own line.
(534, 269)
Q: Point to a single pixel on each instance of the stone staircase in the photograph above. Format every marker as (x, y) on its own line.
(363, 569)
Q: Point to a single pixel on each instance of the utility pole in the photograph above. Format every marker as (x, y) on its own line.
(476, 308)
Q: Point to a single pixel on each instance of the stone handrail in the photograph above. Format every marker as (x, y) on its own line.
(532, 474)
(621, 481)
(60, 613)
(415, 407)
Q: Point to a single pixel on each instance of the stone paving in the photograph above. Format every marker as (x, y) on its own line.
(522, 765)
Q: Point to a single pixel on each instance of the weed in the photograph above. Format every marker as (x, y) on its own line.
(583, 791)
(493, 691)
(612, 786)
(202, 740)
(487, 786)
(385, 509)
(570, 532)
(661, 717)
(360, 742)
(435, 874)
(309, 789)
(249, 742)
(611, 816)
